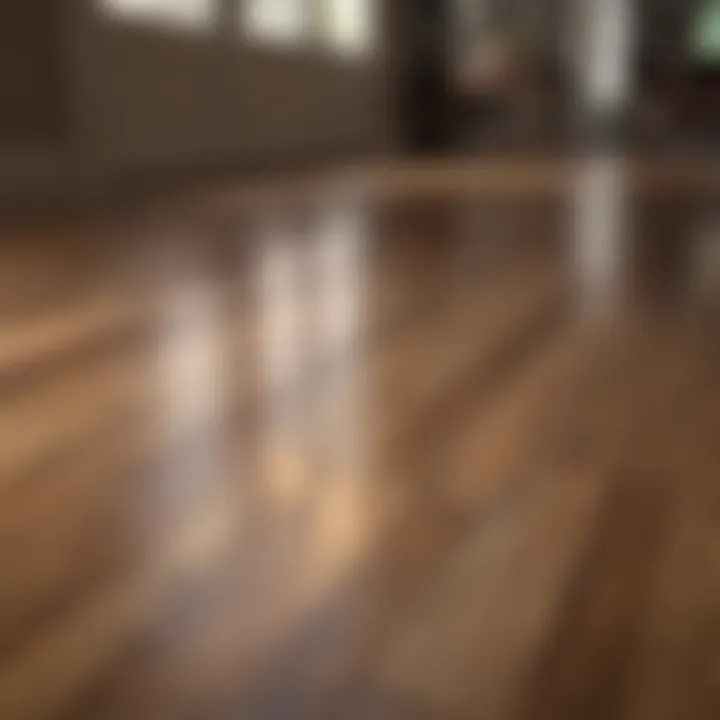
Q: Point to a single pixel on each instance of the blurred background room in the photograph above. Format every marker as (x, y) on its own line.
(359, 359)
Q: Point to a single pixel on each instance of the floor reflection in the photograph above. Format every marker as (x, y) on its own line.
(340, 255)
(285, 353)
(191, 357)
(312, 306)
(705, 259)
(192, 484)
(600, 235)
(677, 256)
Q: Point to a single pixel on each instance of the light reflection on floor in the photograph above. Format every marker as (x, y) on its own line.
(600, 235)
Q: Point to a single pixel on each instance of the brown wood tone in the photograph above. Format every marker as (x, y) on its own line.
(433, 444)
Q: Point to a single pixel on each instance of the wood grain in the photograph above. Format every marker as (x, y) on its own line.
(407, 445)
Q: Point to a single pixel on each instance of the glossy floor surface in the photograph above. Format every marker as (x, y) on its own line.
(434, 446)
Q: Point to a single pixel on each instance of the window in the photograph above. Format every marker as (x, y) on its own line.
(275, 21)
(349, 25)
(184, 13)
(705, 33)
(345, 26)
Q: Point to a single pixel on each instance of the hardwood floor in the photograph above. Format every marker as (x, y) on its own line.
(425, 444)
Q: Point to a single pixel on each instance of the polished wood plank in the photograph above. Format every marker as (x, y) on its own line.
(415, 443)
